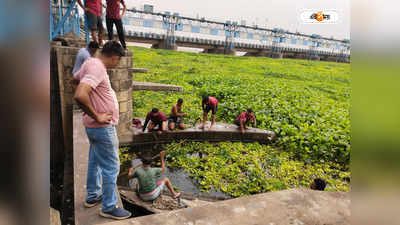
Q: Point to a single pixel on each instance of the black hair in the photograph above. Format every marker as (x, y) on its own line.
(63, 41)
(93, 44)
(205, 98)
(320, 184)
(112, 48)
(249, 110)
(147, 159)
(180, 101)
(154, 110)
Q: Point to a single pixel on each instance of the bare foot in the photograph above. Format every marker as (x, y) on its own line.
(177, 195)
(211, 128)
(201, 126)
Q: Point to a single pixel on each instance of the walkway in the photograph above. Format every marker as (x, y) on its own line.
(83, 215)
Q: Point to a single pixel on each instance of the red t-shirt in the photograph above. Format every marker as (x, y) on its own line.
(246, 116)
(94, 5)
(212, 102)
(160, 117)
(113, 8)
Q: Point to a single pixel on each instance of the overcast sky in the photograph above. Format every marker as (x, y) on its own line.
(273, 13)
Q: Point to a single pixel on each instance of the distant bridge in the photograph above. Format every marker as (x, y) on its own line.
(164, 30)
(168, 31)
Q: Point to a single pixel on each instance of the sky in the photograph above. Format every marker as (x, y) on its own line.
(266, 13)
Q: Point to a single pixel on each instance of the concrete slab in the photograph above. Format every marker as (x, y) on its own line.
(139, 70)
(148, 86)
(222, 132)
(83, 215)
(297, 207)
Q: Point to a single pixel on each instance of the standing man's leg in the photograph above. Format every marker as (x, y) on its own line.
(108, 160)
(120, 30)
(92, 24)
(93, 180)
(100, 29)
(110, 31)
(212, 122)
(213, 113)
(205, 113)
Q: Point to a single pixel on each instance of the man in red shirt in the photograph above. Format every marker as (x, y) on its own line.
(155, 117)
(209, 104)
(244, 119)
(113, 16)
(93, 14)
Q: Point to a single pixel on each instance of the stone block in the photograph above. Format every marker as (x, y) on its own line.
(68, 60)
(125, 85)
(118, 74)
(68, 98)
(124, 106)
(122, 128)
(115, 85)
(123, 96)
(125, 117)
(125, 62)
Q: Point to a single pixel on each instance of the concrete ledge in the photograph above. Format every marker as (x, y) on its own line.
(222, 132)
(136, 86)
(297, 207)
(138, 70)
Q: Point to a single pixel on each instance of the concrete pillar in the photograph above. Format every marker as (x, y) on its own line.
(262, 53)
(315, 58)
(276, 55)
(121, 82)
(220, 50)
(163, 45)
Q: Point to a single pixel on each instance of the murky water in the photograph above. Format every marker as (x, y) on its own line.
(181, 179)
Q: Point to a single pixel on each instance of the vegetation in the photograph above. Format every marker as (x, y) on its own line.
(306, 103)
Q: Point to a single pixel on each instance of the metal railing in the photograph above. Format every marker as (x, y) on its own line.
(63, 19)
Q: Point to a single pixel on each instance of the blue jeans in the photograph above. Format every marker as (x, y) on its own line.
(103, 166)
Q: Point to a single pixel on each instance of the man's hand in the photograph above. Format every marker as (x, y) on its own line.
(89, 10)
(162, 154)
(74, 84)
(130, 172)
(104, 118)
